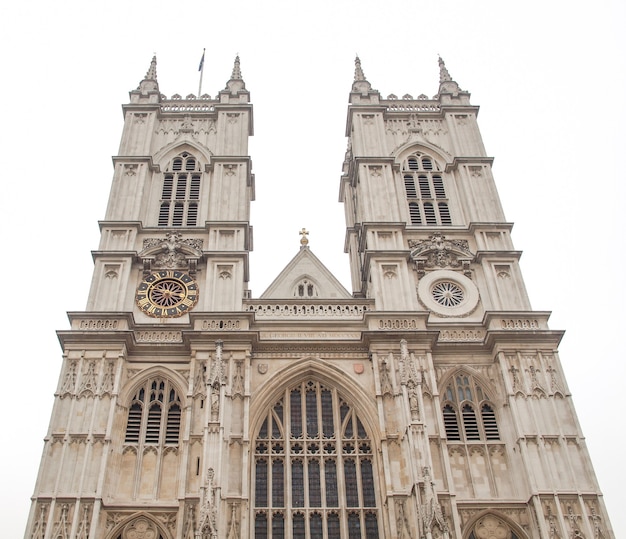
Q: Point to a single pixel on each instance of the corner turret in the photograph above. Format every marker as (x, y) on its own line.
(235, 91)
(148, 89)
(362, 92)
(449, 91)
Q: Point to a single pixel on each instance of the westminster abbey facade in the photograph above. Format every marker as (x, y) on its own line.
(428, 402)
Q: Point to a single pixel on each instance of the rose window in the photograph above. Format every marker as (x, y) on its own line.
(447, 293)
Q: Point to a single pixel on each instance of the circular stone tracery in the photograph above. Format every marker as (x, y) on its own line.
(167, 293)
(447, 293)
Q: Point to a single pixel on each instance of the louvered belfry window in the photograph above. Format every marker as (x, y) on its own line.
(425, 192)
(154, 415)
(468, 414)
(313, 468)
(181, 192)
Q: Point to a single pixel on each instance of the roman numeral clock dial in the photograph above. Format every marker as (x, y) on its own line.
(167, 294)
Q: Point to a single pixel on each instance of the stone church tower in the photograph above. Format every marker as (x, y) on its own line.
(428, 403)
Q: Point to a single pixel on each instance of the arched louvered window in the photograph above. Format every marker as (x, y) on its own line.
(313, 468)
(425, 191)
(181, 191)
(468, 413)
(154, 415)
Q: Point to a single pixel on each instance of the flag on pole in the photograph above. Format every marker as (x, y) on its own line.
(201, 62)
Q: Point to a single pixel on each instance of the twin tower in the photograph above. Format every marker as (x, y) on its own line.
(428, 402)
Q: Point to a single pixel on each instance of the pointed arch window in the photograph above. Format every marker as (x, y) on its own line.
(154, 415)
(305, 288)
(313, 468)
(181, 192)
(425, 191)
(468, 413)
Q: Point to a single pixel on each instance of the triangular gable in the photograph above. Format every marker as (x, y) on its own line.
(305, 277)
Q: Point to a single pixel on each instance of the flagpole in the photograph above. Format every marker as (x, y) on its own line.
(201, 69)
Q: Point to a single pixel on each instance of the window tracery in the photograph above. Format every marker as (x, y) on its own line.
(468, 413)
(425, 191)
(181, 192)
(312, 458)
(305, 288)
(154, 415)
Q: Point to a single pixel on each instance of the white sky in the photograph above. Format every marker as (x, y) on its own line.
(549, 77)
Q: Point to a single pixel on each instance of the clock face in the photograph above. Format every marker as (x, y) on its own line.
(167, 294)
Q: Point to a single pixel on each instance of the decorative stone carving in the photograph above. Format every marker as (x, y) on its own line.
(431, 515)
(171, 252)
(140, 528)
(84, 523)
(553, 527)
(217, 367)
(108, 379)
(233, 525)
(199, 381)
(69, 380)
(596, 522)
(535, 387)
(573, 521)
(437, 251)
(190, 522)
(39, 527)
(386, 387)
(403, 529)
(88, 381)
(555, 387)
(62, 526)
(207, 526)
(516, 382)
(490, 527)
(237, 389)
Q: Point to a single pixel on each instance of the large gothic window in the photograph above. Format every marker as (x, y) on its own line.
(313, 469)
(468, 413)
(181, 192)
(154, 415)
(425, 191)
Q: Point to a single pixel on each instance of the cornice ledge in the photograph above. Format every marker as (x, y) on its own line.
(122, 159)
(482, 255)
(475, 226)
(454, 165)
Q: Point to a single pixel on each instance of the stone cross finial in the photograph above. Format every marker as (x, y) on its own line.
(304, 241)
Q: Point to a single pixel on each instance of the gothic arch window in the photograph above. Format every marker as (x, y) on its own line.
(313, 472)
(468, 413)
(140, 527)
(490, 525)
(305, 288)
(181, 192)
(425, 191)
(154, 415)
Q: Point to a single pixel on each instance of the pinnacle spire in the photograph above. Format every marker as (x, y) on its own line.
(236, 84)
(444, 75)
(151, 73)
(358, 70)
(149, 82)
(236, 70)
(447, 85)
(360, 85)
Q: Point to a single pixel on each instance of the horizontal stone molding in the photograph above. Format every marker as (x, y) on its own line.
(221, 325)
(396, 323)
(454, 335)
(323, 335)
(153, 336)
(101, 324)
(520, 323)
(303, 310)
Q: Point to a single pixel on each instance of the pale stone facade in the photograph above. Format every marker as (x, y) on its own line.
(428, 403)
